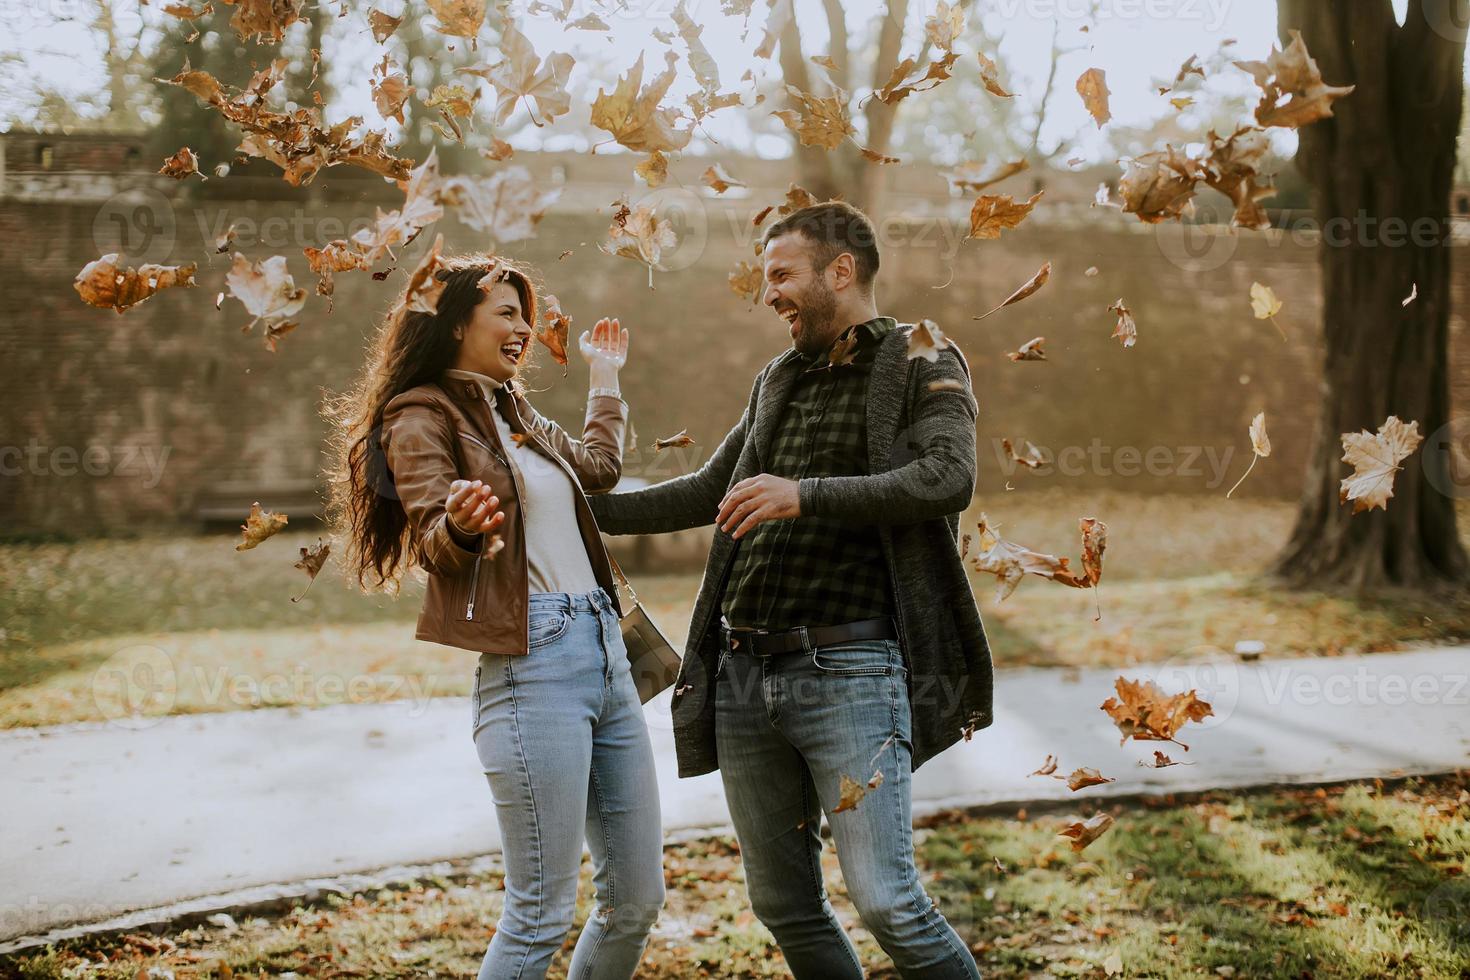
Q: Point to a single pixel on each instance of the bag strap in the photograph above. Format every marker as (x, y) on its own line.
(622, 579)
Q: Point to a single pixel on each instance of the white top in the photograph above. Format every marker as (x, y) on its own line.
(555, 552)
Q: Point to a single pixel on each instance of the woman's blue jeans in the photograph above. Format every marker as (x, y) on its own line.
(561, 736)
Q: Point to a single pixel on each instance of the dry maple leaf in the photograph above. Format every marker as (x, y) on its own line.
(1265, 305)
(873, 156)
(459, 18)
(844, 349)
(260, 525)
(1159, 186)
(817, 121)
(1033, 458)
(265, 288)
(654, 169)
(1093, 87)
(1029, 289)
(424, 286)
(926, 340)
(781, 13)
(990, 77)
(1048, 768)
(1260, 448)
(1127, 328)
(557, 328)
(975, 177)
(1085, 777)
(677, 441)
(1094, 543)
(706, 71)
(634, 118)
(311, 562)
(1375, 459)
(718, 180)
(522, 75)
(908, 78)
(1031, 350)
(1009, 562)
(746, 280)
(640, 235)
(336, 256)
(383, 25)
(1231, 167)
(1293, 93)
(181, 165)
(506, 205)
(1162, 761)
(946, 25)
(499, 150)
(101, 283)
(266, 19)
(1084, 832)
(991, 214)
(1143, 712)
(851, 792)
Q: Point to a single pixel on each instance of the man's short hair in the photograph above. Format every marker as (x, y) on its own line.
(832, 228)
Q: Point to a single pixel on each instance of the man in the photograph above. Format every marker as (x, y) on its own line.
(835, 637)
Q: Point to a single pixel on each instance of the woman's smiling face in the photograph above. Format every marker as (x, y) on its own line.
(496, 337)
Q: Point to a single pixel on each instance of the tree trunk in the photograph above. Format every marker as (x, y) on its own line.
(1381, 171)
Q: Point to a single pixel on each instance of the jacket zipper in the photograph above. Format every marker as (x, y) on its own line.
(469, 609)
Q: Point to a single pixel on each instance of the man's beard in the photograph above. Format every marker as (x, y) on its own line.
(816, 307)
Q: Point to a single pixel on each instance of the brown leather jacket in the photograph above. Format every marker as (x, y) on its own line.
(436, 433)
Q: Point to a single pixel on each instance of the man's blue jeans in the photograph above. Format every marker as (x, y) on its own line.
(788, 728)
(561, 736)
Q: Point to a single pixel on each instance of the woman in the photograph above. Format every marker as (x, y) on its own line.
(474, 486)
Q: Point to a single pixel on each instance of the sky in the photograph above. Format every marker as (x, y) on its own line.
(1138, 43)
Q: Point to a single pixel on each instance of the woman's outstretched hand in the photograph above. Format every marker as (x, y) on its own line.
(605, 348)
(473, 508)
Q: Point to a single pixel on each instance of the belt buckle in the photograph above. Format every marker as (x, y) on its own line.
(732, 636)
(806, 639)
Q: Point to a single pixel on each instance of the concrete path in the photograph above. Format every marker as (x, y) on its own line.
(98, 820)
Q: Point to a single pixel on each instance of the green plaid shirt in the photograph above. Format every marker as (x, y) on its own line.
(816, 571)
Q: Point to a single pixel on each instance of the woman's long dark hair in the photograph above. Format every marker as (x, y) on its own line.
(410, 348)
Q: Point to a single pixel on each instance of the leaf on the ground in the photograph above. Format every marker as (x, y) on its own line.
(181, 165)
(678, 440)
(383, 25)
(1031, 350)
(1127, 328)
(991, 214)
(990, 77)
(1093, 87)
(851, 791)
(718, 180)
(1293, 92)
(1028, 290)
(815, 120)
(1033, 458)
(1085, 777)
(507, 205)
(926, 340)
(1084, 832)
(265, 288)
(946, 25)
(1143, 712)
(260, 525)
(975, 177)
(634, 118)
(1375, 459)
(1113, 964)
(521, 74)
(459, 18)
(311, 562)
(556, 329)
(654, 169)
(909, 77)
(103, 284)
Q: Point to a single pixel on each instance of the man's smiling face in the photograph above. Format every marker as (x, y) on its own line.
(799, 293)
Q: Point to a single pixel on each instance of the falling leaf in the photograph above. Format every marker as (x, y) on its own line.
(1094, 543)
(873, 156)
(975, 177)
(554, 334)
(1084, 832)
(908, 78)
(499, 150)
(746, 280)
(1161, 761)
(266, 19)
(383, 25)
(1232, 167)
(817, 121)
(507, 205)
(311, 562)
(1092, 272)
(225, 240)
(1048, 768)
(717, 180)
(1034, 284)
(1181, 104)
(781, 13)
(946, 25)
(265, 288)
(260, 525)
(926, 340)
(460, 18)
(965, 546)
(1293, 93)
(1093, 87)
(1375, 459)
(1127, 328)
(181, 165)
(1264, 303)
(1159, 186)
(591, 22)
(851, 791)
(337, 256)
(677, 441)
(424, 287)
(992, 214)
(654, 169)
(706, 71)
(1083, 778)
(634, 118)
(101, 283)
(185, 12)
(390, 93)
(1143, 712)
(455, 100)
(1031, 350)
(1413, 295)
(642, 236)
(990, 77)
(522, 75)
(1260, 448)
(1033, 458)
(825, 61)
(1009, 562)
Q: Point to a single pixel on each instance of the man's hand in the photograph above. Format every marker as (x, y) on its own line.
(759, 498)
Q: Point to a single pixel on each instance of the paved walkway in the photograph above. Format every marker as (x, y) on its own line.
(99, 820)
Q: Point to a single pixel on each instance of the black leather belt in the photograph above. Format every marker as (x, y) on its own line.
(765, 643)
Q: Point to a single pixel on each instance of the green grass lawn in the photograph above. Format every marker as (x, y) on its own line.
(85, 627)
(1352, 881)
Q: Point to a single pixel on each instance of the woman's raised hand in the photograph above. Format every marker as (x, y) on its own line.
(606, 349)
(472, 507)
